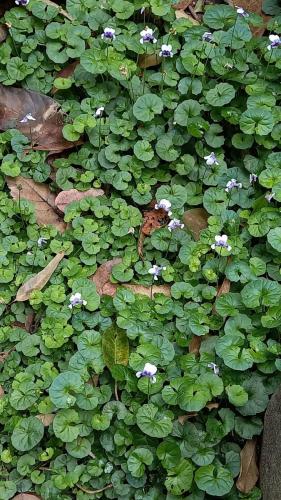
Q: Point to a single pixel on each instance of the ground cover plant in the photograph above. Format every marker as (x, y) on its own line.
(140, 248)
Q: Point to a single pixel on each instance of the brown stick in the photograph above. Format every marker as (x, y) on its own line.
(94, 492)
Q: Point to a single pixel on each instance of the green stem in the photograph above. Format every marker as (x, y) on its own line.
(265, 73)
(144, 71)
(233, 31)
(99, 133)
(148, 390)
(163, 72)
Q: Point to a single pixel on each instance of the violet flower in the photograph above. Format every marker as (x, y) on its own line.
(99, 112)
(241, 12)
(41, 242)
(269, 196)
(221, 241)
(175, 224)
(108, 34)
(156, 271)
(275, 41)
(253, 178)
(76, 300)
(28, 118)
(211, 159)
(207, 37)
(22, 3)
(147, 36)
(165, 205)
(148, 371)
(214, 367)
(233, 184)
(166, 51)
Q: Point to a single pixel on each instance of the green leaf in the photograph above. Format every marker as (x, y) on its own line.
(143, 150)
(222, 94)
(66, 425)
(179, 478)
(185, 110)
(259, 122)
(274, 238)
(153, 421)
(215, 481)
(115, 347)
(236, 395)
(137, 461)
(27, 433)
(64, 389)
(147, 106)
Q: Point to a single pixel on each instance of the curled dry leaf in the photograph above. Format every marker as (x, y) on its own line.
(181, 14)
(65, 197)
(154, 219)
(3, 32)
(1, 392)
(46, 131)
(222, 289)
(102, 275)
(194, 345)
(249, 472)
(196, 220)
(38, 281)
(46, 418)
(183, 418)
(255, 7)
(149, 60)
(26, 496)
(41, 196)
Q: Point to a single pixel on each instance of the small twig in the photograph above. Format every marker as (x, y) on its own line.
(93, 492)
(60, 9)
(116, 391)
(193, 13)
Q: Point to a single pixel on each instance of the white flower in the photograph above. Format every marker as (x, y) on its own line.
(214, 367)
(23, 3)
(147, 36)
(207, 37)
(166, 51)
(76, 300)
(275, 41)
(156, 271)
(131, 230)
(99, 112)
(142, 10)
(148, 371)
(269, 196)
(175, 224)
(221, 241)
(241, 12)
(232, 184)
(108, 34)
(253, 178)
(211, 159)
(41, 241)
(27, 118)
(165, 205)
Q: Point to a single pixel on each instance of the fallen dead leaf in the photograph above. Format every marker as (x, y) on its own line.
(255, 6)
(101, 278)
(196, 219)
(194, 345)
(181, 14)
(26, 496)
(103, 273)
(183, 418)
(1, 391)
(46, 418)
(65, 197)
(154, 219)
(224, 288)
(3, 32)
(38, 281)
(249, 472)
(60, 9)
(46, 132)
(147, 61)
(182, 5)
(39, 194)
(65, 73)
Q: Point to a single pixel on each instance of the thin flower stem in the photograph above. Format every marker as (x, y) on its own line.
(265, 73)
(99, 133)
(148, 390)
(94, 492)
(144, 72)
(163, 73)
(231, 41)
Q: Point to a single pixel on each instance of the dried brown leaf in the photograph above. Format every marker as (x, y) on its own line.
(255, 6)
(65, 73)
(38, 281)
(26, 496)
(3, 32)
(249, 472)
(39, 194)
(46, 132)
(1, 391)
(153, 219)
(196, 220)
(181, 14)
(182, 5)
(194, 345)
(46, 418)
(103, 273)
(183, 418)
(150, 291)
(224, 288)
(4, 355)
(149, 60)
(65, 197)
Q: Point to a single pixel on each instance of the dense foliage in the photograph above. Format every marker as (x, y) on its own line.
(101, 426)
